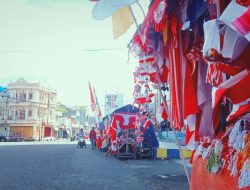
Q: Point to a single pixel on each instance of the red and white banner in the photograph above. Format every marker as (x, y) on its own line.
(236, 89)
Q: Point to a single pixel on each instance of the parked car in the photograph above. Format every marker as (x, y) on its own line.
(15, 138)
(3, 138)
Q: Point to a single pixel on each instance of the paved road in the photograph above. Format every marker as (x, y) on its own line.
(63, 167)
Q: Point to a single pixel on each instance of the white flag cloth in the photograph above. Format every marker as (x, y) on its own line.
(105, 8)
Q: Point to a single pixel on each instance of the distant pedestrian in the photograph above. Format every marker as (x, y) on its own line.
(92, 136)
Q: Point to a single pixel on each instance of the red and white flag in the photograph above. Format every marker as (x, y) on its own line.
(124, 121)
(99, 113)
(236, 89)
(92, 99)
(239, 110)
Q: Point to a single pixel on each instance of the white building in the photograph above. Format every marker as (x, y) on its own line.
(112, 102)
(31, 109)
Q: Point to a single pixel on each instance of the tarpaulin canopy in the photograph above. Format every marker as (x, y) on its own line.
(127, 109)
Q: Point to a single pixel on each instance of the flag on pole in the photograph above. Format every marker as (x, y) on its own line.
(99, 113)
(92, 99)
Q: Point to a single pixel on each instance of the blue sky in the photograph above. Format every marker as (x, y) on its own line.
(42, 41)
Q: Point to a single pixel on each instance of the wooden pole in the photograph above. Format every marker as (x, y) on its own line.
(175, 134)
(165, 104)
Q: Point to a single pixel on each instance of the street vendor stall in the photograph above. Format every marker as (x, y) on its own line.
(198, 52)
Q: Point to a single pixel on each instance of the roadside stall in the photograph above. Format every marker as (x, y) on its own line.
(199, 51)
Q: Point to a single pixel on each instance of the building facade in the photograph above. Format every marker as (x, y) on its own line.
(112, 102)
(31, 110)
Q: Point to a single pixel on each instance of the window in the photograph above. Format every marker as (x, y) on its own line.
(21, 114)
(30, 113)
(30, 96)
(21, 96)
(51, 98)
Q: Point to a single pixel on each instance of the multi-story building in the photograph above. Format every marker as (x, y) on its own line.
(70, 120)
(31, 109)
(112, 102)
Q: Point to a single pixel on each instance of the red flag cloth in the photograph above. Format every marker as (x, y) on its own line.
(144, 99)
(176, 85)
(236, 89)
(190, 97)
(92, 99)
(238, 110)
(164, 73)
(142, 40)
(99, 113)
(160, 16)
(243, 22)
(243, 2)
(124, 120)
(164, 112)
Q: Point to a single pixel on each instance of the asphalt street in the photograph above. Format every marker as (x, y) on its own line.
(64, 167)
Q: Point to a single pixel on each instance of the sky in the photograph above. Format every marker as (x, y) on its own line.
(46, 41)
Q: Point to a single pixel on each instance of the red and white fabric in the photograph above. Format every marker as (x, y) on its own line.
(215, 76)
(139, 139)
(161, 114)
(92, 99)
(239, 20)
(160, 16)
(236, 89)
(176, 84)
(239, 110)
(144, 99)
(122, 121)
(147, 58)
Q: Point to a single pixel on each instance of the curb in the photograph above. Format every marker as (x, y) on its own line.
(171, 153)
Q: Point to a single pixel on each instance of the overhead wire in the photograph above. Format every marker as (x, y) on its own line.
(63, 51)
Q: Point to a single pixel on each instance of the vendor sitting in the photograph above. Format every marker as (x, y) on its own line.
(105, 144)
(112, 150)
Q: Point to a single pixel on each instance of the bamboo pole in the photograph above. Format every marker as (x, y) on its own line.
(175, 134)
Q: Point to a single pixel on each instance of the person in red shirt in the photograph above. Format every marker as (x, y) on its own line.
(92, 136)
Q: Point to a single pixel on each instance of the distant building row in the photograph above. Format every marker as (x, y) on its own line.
(30, 110)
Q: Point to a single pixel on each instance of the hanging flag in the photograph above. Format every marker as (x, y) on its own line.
(99, 113)
(236, 89)
(92, 99)
(125, 120)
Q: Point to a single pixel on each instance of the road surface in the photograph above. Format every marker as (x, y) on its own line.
(42, 166)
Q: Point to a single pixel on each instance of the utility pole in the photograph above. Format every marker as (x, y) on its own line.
(48, 113)
(6, 116)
